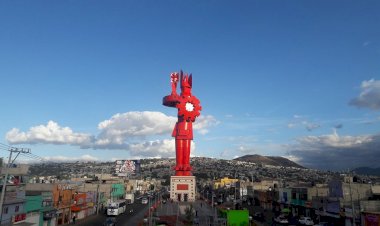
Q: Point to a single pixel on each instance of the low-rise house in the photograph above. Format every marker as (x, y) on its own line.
(62, 199)
(40, 209)
(13, 210)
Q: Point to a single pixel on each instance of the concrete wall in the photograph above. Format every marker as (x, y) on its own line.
(376, 189)
(33, 218)
(317, 191)
(370, 206)
(40, 187)
(355, 191)
(19, 169)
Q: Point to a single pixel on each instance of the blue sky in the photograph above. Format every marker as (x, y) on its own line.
(84, 80)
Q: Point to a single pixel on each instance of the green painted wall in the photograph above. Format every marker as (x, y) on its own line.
(118, 191)
(40, 203)
(33, 203)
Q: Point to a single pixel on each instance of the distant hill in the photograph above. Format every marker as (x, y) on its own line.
(269, 160)
(367, 171)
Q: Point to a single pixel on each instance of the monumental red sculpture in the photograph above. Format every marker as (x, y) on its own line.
(188, 109)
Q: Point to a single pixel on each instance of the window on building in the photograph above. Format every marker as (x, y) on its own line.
(17, 208)
(46, 203)
(5, 210)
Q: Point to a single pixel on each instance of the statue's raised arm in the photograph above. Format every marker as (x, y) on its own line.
(172, 99)
(174, 81)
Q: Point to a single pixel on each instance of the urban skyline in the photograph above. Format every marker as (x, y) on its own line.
(85, 80)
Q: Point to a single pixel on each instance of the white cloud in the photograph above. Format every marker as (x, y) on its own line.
(204, 122)
(158, 148)
(162, 148)
(244, 150)
(83, 158)
(333, 140)
(310, 126)
(369, 96)
(121, 127)
(51, 133)
(336, 152)
(298, 122)
(293, 158)
(128, 131)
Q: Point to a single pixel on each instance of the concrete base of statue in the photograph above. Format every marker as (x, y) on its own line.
(182, 188)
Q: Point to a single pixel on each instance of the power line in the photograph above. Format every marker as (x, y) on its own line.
(35, 157)
(4, 144)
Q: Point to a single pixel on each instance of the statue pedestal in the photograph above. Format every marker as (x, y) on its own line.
(182, 188)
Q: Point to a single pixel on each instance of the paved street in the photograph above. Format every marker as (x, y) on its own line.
(126, 219)
(169, 213)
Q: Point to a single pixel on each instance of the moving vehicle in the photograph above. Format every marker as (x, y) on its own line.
(116, 207)
(306, 221)
(144, 201)
(281, 219)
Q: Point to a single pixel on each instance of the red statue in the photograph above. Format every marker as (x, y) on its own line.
(188, 109)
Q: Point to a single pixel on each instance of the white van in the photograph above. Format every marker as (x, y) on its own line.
(144, 201)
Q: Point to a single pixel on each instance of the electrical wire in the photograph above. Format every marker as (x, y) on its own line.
(35, 157)
(4, 145)
(27, 155)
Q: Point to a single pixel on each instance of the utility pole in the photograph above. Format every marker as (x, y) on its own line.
(149, 212)
(352, 205)
(98, 193)
(10, 161)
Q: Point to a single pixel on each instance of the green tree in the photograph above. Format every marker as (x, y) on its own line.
(166, 181)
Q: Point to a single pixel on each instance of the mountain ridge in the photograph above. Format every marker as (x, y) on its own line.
(367, 171)
(269, 160)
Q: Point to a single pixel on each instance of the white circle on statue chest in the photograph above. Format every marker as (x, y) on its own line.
(189, 106)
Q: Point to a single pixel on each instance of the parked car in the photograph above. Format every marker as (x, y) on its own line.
(110, 221)
(258, 216)
(306, 221)
(281, 219)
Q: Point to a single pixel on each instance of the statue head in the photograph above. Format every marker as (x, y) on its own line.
(186, 84)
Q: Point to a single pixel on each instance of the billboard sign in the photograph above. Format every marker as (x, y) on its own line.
(125, 168)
